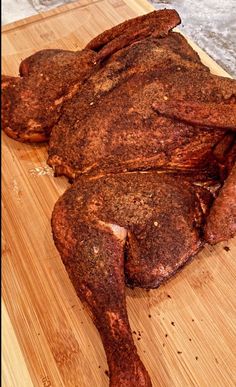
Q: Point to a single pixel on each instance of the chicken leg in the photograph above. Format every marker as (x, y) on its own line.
(93, 254)
(161, 217)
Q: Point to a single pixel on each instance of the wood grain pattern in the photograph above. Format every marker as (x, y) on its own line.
(186, 329)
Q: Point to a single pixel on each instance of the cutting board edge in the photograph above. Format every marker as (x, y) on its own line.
(47, 14)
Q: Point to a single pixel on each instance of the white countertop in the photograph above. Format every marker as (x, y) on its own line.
(211, 24)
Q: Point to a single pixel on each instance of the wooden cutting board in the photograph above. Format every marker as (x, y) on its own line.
(184, 331)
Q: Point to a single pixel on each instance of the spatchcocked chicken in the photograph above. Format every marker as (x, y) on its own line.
(147, 135)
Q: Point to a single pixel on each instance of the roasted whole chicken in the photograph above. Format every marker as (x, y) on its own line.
(146, 134)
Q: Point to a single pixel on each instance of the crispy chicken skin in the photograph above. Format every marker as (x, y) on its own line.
(93, 253)
(149, 207)
(147, 133)
(221, 222)
(31, 104)
(156, 24)
(141, 215)
(211, 114)
(111, 126)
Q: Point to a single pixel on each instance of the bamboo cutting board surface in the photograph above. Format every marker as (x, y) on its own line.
(184, 331)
